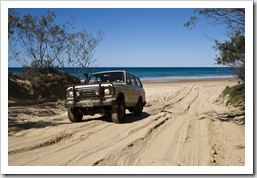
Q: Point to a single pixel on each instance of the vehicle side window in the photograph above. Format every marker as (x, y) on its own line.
(138, 82)
(133, 80)
(128, 79)
(94, 79)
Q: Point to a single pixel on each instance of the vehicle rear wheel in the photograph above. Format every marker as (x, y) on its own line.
(74, 115)
(138, 108)
(118, 112)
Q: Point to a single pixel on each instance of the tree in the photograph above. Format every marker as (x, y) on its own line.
(232, 51)
(40, 42)
(37, 40)
(232, 17)
(81, 47)
(13, 20)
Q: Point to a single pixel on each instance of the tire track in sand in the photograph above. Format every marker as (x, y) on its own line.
(177, 129)
(132, 153)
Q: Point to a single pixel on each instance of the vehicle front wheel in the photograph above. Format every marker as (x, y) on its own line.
(118, 112)
(74, 115)
(137, 111)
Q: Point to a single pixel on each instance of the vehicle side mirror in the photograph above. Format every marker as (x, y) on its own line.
(86, 76)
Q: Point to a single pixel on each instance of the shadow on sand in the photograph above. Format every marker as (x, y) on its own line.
(14, 126)
(129, 118)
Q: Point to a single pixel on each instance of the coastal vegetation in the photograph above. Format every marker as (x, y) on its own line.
(41, 42)
(185, 121)
(45, 85)
(235, 94)
(41, 45)
(232, 51)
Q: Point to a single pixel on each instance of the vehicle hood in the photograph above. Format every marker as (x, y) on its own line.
(93, 86)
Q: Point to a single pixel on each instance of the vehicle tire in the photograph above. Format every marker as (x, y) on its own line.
(74, 115)
(138, 108)
(118, 112)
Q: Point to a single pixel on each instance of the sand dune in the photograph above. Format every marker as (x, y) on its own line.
(183, 124)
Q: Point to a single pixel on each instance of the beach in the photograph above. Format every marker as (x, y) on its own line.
(185, 122)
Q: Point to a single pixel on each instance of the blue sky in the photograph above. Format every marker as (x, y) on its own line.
(147, 37)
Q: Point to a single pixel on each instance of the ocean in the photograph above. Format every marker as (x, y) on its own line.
(153, 72)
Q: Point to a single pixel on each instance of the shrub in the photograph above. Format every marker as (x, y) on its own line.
(234, 94)
(47, 83)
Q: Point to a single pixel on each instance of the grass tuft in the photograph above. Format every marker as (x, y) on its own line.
(234, 94)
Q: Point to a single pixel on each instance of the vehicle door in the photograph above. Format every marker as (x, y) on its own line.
(134, 89)
(140, 91)
(129, 90)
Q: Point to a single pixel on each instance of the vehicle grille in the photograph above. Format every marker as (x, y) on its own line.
(88, 92)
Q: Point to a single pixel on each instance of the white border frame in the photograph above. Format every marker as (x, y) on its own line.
(247, 169)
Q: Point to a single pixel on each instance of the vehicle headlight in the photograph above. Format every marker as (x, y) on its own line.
(96, 92)
(69, 94)
(109, 91)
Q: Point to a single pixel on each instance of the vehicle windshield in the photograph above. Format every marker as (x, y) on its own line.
(114, 77)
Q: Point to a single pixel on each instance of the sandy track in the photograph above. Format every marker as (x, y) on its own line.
(182, 124)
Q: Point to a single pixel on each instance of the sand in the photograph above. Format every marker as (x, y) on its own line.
(184, 123)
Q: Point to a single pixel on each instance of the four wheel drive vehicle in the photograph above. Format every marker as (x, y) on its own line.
(109, 93)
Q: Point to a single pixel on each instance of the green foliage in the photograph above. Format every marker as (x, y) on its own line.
(47, 83)
(39, 42)
(80, 48)
(18, 89)
(40, 45)
(235, 94)
(13, 21)
(234, 18)
(232, 51)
